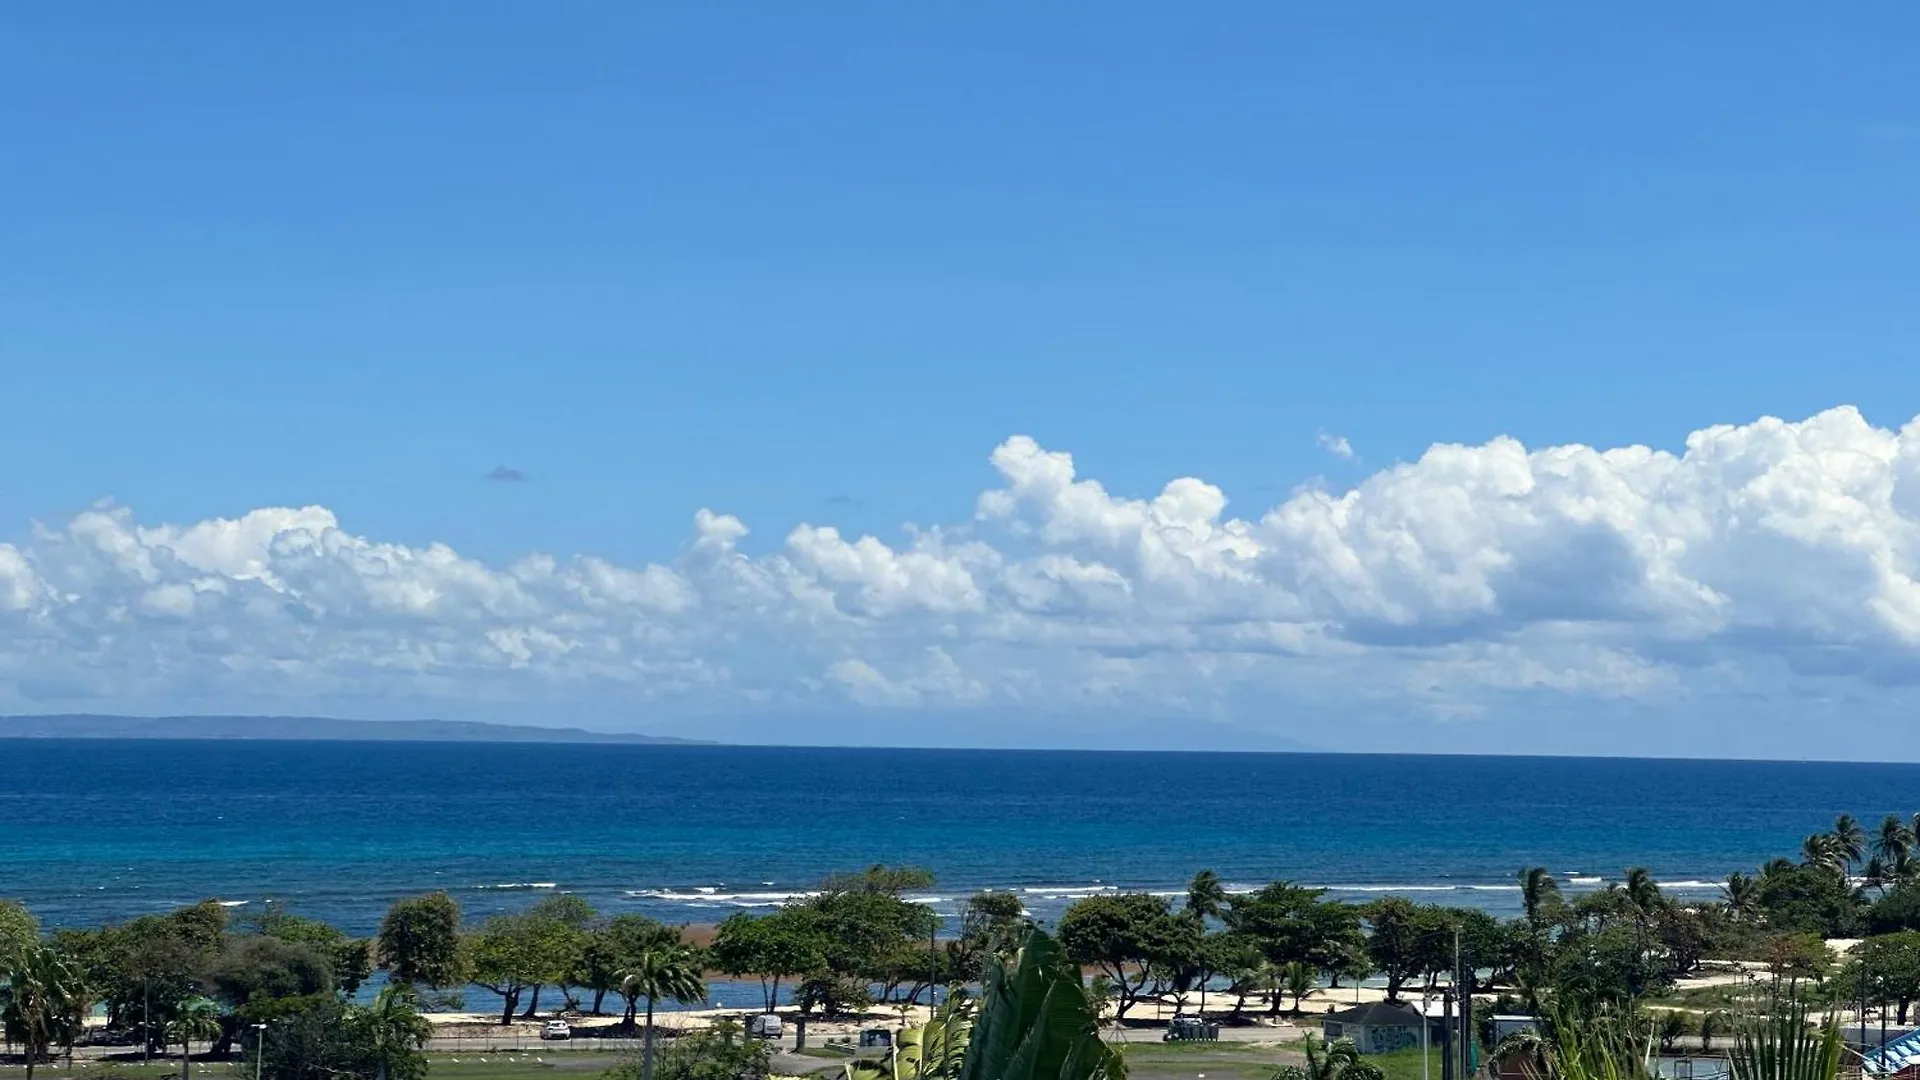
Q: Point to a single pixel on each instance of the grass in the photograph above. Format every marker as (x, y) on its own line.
(1405, 1064)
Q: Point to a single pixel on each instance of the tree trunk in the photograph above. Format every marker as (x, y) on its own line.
(533, 1004)
(646, 1050)
(186, 1059)
(1904, 1002)
(599, 996)
(800, 1033)
(508, 1000)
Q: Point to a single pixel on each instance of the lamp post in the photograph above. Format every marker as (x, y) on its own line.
(259, 1049)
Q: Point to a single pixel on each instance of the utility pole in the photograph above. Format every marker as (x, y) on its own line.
(1446, 1034)
(1463, 980)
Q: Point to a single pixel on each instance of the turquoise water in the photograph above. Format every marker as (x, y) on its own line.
(93, 831)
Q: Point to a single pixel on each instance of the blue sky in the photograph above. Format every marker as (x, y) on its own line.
(814, 266)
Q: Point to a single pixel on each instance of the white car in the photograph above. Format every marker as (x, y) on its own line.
(556, 1029)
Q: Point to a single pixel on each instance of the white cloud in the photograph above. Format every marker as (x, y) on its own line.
(1337, 445)
(1763, 552)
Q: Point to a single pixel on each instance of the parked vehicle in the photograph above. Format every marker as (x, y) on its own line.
(557, 1029)
(765, 1026)
(1191, 1029)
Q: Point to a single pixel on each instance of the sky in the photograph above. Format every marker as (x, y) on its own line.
(1500, 377)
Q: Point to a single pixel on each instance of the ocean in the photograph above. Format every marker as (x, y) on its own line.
(93, 831)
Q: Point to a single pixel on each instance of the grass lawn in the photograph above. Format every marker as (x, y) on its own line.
(1196, 1060)
(1405, 1064)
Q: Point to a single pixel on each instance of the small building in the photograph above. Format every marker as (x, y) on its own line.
(1379, 1027)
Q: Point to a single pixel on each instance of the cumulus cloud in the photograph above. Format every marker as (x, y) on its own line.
(1337, 445)
(1761, 551)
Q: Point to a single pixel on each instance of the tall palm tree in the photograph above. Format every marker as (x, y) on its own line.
(42, 997)
(661, 971)
(1539, 892)
(1206, 896)
(199, 1019)
(1849, 838)
(1823, 851)
(393, 1025)
(1894, 842)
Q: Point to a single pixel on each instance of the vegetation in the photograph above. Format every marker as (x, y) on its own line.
(187, 980)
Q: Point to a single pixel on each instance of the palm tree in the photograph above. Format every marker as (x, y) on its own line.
(1876, 873)
(1711, 1023)
(1741, 892)
(1823, 851)
(1850, 838)
(41, 1002)
(1330, 1061)
(1642, 893)
(1539, 892)
(198, 1018)
(393, 1026)
(1206, 896)
(1894, 843)
(1299, 981)
(666, 970)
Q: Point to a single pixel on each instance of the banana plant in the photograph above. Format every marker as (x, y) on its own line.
(1034, 1021)
(934, 1050)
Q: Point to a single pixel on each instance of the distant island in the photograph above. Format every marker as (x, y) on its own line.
(86, 726)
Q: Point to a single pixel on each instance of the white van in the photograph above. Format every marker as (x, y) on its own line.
(764, 1026)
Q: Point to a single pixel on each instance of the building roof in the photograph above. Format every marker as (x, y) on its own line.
(1895, 1056)
(1378, 1014)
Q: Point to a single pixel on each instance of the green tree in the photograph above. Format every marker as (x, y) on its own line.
(393, 1034)
(1407, 940)
(1206, 896)
(42, 1002)
(419, 942)
(324, 1038)
(253, 968)
(1292, 923)
(1127, 936)
(610, 950)
(1807, 899)
(993, 923)
(1890, 965)
(772, 948)
(147, 969)
(869, 931)
(1741, 894)
(1824, 852)
(196, 1020)
(350, 958)
(19, 932)
(664, 971)
(1849, 838)
(1539, 894)
(516, 952)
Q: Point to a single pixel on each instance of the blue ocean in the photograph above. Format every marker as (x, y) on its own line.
(92, 831)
